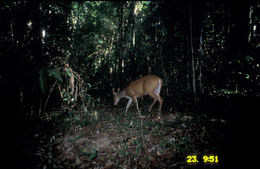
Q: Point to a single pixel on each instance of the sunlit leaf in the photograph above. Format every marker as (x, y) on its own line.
(249, 58)
(93, 154)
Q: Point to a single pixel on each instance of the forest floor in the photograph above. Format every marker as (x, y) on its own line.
(117, 140)
(224, 130)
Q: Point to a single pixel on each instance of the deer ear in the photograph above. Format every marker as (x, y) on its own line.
(113, 91)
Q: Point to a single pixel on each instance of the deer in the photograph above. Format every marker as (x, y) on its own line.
(150, 85)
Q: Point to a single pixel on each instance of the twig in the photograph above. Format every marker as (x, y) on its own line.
(47, 99)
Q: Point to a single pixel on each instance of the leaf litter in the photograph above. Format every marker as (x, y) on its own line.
(118, 140)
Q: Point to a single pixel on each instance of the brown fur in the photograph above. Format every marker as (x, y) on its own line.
(140, 87)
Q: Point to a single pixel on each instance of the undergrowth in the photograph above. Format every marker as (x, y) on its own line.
(107, 137)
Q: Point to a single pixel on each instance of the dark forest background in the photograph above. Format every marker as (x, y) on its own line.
(59, 61)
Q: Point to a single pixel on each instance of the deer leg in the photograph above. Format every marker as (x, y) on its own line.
(161, 102)
(136, 103)
(154, 101)
(128, 103)
(151, 106)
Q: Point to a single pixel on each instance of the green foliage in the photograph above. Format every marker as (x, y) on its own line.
(91, 46)
(42, 81)
(91, 154)
(111, 43)
(56, 73)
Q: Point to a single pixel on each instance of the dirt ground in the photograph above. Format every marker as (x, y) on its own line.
(118, 140)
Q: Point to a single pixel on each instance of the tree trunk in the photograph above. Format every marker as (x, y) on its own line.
(187, 58)
(200, 64)
(238, 37)
(120, 46)
(192, 57)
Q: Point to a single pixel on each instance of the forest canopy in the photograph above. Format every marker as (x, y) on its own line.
(197, 47)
